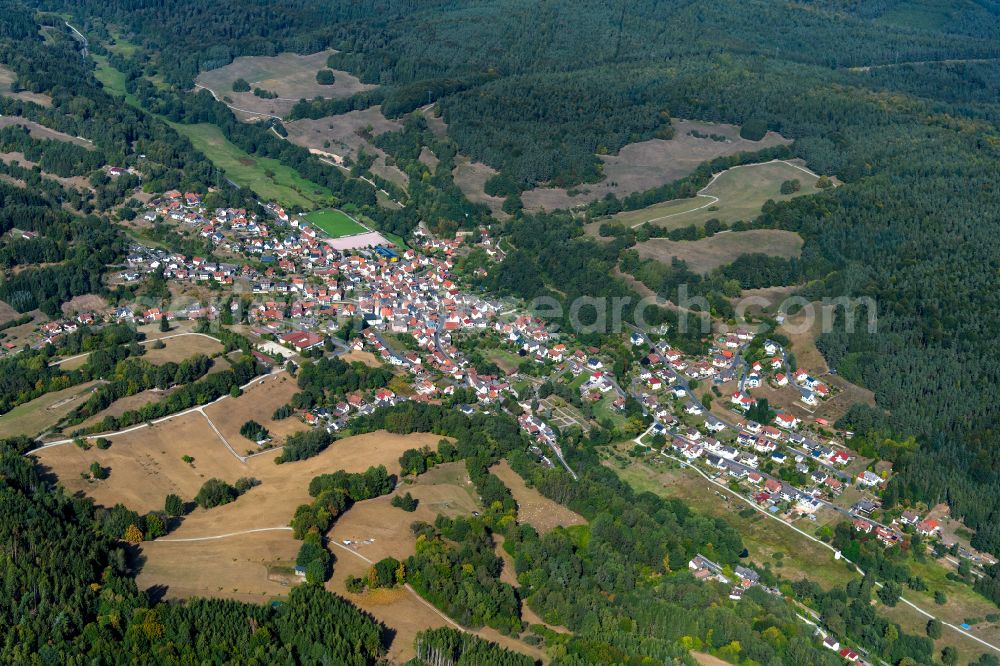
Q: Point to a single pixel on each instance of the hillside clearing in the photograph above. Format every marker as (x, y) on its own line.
(35, 417)
(268, 178)
(735, 194)
(7, 78)
(707, 254)
(532, 507)
(289, 75)
(648, 164)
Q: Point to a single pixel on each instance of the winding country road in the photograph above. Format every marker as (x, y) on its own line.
(838, 554)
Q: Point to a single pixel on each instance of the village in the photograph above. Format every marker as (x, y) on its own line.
(294, 293)
(281, 283)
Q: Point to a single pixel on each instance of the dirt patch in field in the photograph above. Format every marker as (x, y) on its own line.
(706, 659)
(258, 403)
(249, 567)
(367, 358)
(647, 164)
(533, 508)
(707, 254)
(471, 178)
(289, 75)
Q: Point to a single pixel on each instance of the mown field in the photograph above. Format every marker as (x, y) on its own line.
(334, 223)
(289, 75)
(269, 178)
(707, 254)
(35, 417)
(741, 192)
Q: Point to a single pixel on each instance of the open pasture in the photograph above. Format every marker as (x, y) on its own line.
(707, 254)
(268, 178)
(289, 75)
(648, 164)
(35, 417)
(734, 194)
(250, 567)
(258, 402)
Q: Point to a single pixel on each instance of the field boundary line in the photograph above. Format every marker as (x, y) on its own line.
(407, 586)
(224, 536)
(236, 108)
(162, 419)
(225, 441)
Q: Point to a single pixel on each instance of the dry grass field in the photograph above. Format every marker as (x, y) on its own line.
(342, 136)
(248, 567)
(533, 508)
(376, 529)
(146, 464)
(367, 358)
(7, 312)
(7, 77)
(122, 405)
(290, 75)
(471, 178)
(399, 609)
(41, 132)
(258, 402)
(177, 349)
(343, 132)
(735, 194)
(284, 487)
(648, 164)
(707, 254)
(35, 417)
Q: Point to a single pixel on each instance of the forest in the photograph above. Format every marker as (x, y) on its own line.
(72, 595)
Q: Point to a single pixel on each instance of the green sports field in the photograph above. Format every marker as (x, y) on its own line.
(334, 223)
